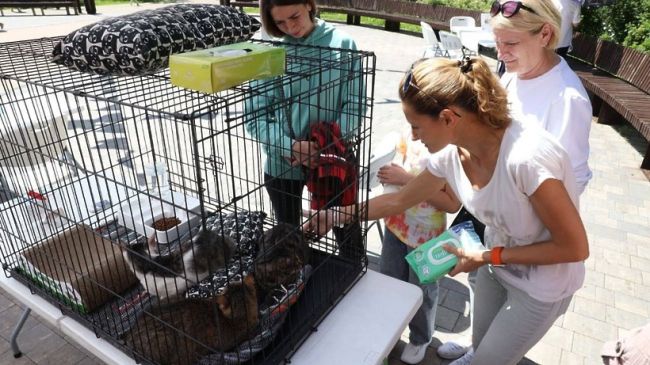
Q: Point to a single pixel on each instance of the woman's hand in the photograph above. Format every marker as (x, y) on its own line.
(320, 222)
(394, 174)
(304, 153)
(467, 261)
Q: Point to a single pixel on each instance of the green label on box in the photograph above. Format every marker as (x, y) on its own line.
(430, 261)
(216, 69)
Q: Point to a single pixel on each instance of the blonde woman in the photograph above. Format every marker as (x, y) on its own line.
(516, 179)
(542, 88)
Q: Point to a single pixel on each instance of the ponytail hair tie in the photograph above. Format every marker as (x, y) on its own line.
(465, 64)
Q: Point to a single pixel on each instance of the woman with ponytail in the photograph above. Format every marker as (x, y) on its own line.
(542, 89)
(513, 177)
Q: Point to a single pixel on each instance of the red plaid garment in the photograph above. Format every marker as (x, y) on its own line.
(335, 171)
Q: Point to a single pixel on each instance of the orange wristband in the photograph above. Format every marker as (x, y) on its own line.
(495, 256)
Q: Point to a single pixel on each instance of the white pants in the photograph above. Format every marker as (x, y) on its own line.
(507, 321)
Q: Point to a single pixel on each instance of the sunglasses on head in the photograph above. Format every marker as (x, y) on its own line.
(409, 83)
(508, 9)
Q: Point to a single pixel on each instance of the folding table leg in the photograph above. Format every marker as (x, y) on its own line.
(16, 332)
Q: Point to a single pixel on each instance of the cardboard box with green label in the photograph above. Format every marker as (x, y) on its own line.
(216, 69)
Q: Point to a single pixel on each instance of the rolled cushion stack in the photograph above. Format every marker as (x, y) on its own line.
(141, 43)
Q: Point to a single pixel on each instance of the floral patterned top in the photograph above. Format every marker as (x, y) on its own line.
(422, 222)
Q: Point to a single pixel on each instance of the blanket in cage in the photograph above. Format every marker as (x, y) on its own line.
(246, 228)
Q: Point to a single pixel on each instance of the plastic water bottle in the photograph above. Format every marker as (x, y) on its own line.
(156, 178)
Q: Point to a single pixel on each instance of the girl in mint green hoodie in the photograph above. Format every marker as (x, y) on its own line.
(280, 117)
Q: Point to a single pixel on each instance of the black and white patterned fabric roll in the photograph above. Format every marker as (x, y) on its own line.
(141, 43)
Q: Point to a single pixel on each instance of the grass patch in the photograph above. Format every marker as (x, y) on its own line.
(368, 21)
(251, 10)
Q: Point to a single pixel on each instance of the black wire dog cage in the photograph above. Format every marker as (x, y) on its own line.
(140, 208)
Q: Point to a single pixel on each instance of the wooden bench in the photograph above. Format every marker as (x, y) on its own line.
(42, 4)
(618, 81)
(393, 11)
(396, 12)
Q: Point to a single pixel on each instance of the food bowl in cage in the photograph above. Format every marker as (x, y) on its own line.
(170, 224)
(167, 219)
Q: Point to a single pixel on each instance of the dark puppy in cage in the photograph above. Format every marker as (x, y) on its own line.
(282, 253)
(168, 276)
(181, 333)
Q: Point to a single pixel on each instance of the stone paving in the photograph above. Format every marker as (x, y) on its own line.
(615, 208)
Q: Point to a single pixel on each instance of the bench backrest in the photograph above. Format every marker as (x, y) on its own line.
(338, 3)
(626, 63)
(584, 48)
(433, 14)
(365, 4)
(623, 62)
(428, 13)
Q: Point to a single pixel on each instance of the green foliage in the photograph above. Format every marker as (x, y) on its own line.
(624, 22)
(481, 5)
(639, 37)
(592, 22)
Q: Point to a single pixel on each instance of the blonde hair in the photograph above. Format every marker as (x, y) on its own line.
(437, 83)
(545, 12)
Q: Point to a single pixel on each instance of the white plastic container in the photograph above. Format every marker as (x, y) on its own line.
(157, 179)
(140, 212)
(186, 222)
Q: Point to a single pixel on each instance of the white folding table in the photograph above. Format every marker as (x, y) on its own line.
(362, 329)
(470, 37)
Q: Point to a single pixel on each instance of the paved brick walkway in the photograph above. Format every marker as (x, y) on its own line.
(615, 209)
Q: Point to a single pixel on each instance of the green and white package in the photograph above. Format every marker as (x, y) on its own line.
(430, 261)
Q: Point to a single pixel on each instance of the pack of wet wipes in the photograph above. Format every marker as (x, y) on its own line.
(430, 261)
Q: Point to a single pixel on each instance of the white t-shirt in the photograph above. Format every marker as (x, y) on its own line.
(557, 102)
(527, 157)
(570, 12)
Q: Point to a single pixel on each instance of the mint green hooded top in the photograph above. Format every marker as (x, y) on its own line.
(335, 94)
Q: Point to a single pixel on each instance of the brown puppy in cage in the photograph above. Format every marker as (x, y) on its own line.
(181, 333)
(167, 277)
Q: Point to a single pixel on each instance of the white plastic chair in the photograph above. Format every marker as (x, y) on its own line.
(431, 42)
(471, 37)
(34, 145)
(460, 22)
(485, 22)
(452, 47)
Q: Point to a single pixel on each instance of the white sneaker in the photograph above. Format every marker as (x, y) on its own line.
(451, 350)
(466, 359)
(413, 354)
